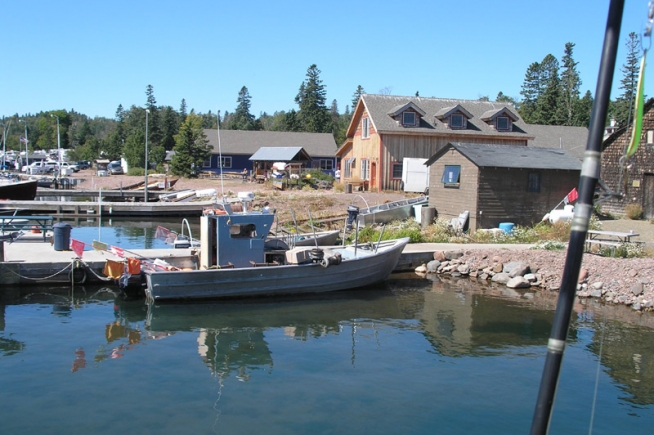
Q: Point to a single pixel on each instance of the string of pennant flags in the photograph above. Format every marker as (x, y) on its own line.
(129, 265)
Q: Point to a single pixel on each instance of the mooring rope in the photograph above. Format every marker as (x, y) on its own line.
(36, 279)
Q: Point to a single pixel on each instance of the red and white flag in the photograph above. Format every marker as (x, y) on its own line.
(572, 196)
(118, 252)
(77, 247)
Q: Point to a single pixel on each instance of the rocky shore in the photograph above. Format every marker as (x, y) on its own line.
(613, 280)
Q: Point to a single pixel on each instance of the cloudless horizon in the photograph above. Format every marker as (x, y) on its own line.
(92, 57)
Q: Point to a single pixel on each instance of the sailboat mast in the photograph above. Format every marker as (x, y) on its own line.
(583, 210)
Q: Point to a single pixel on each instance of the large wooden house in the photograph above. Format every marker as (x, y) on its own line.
(632, 178)
(385, 129)
(499, 183)
(238, 146)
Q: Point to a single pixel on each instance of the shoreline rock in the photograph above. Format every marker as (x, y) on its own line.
(626, 281)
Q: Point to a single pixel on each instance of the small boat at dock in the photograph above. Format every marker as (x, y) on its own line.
(14, 189)
(238, 259)
(390, 211)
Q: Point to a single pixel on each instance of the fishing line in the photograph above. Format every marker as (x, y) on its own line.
(597, 374)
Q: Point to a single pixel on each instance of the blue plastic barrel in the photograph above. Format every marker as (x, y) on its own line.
(507, 227)
(61, 236)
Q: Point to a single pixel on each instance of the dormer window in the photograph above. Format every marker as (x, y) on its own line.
(408, 119)
(407, 115)
(457, 121)
(500, 120)
(503, 123)
(456, 118)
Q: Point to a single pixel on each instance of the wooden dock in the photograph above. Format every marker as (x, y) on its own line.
(29, 261)
(117, 209)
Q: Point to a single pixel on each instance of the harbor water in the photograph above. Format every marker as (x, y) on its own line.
(410, 356)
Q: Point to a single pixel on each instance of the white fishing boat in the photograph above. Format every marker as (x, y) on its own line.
(238, 259)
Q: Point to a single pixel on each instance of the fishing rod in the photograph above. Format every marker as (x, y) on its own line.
(582, 213)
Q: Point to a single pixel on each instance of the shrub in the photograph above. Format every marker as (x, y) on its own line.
(625, 250)
(634, 211)
(136, 171)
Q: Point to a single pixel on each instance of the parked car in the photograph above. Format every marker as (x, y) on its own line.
(36, 168)
(81, 165)
(114, 168)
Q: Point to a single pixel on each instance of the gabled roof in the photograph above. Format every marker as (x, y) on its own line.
(403, 108)
(248, 142)
(494, 113)
(569, 139)
(446, 112)
(279, 154)
(511, 156)
(379, 106)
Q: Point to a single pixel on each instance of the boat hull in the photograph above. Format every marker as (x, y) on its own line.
(322, 238)
(391, 211)
(358, 268)
(19, 190)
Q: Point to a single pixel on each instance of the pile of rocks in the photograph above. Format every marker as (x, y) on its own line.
(621, 281)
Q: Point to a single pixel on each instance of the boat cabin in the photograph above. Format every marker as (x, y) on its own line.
(238, 239)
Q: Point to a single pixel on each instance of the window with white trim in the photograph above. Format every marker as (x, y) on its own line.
(347, 167)
(365, 169)
(226, 162)
(326, 164)
(365, 128)
(207, 163)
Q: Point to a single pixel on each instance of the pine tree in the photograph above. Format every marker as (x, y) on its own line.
(531, 90)
(311, 98)
(182, 109)
(584, 107)
(242, 119)
(624, 103)
(191, 147)
(546, 112)
(501, 98)
(357, 94)
(155, 134)
(570, 85)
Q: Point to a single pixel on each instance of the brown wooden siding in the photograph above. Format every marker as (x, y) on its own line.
(362, 149)
(397, 147)
(450, 201)
(496, 195)
(504, 196)
(634, 178)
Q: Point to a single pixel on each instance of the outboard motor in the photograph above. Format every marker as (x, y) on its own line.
(352, 213)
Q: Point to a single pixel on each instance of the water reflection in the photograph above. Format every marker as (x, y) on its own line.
(450, 320)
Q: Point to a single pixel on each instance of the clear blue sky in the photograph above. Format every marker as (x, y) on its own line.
(92, 56)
